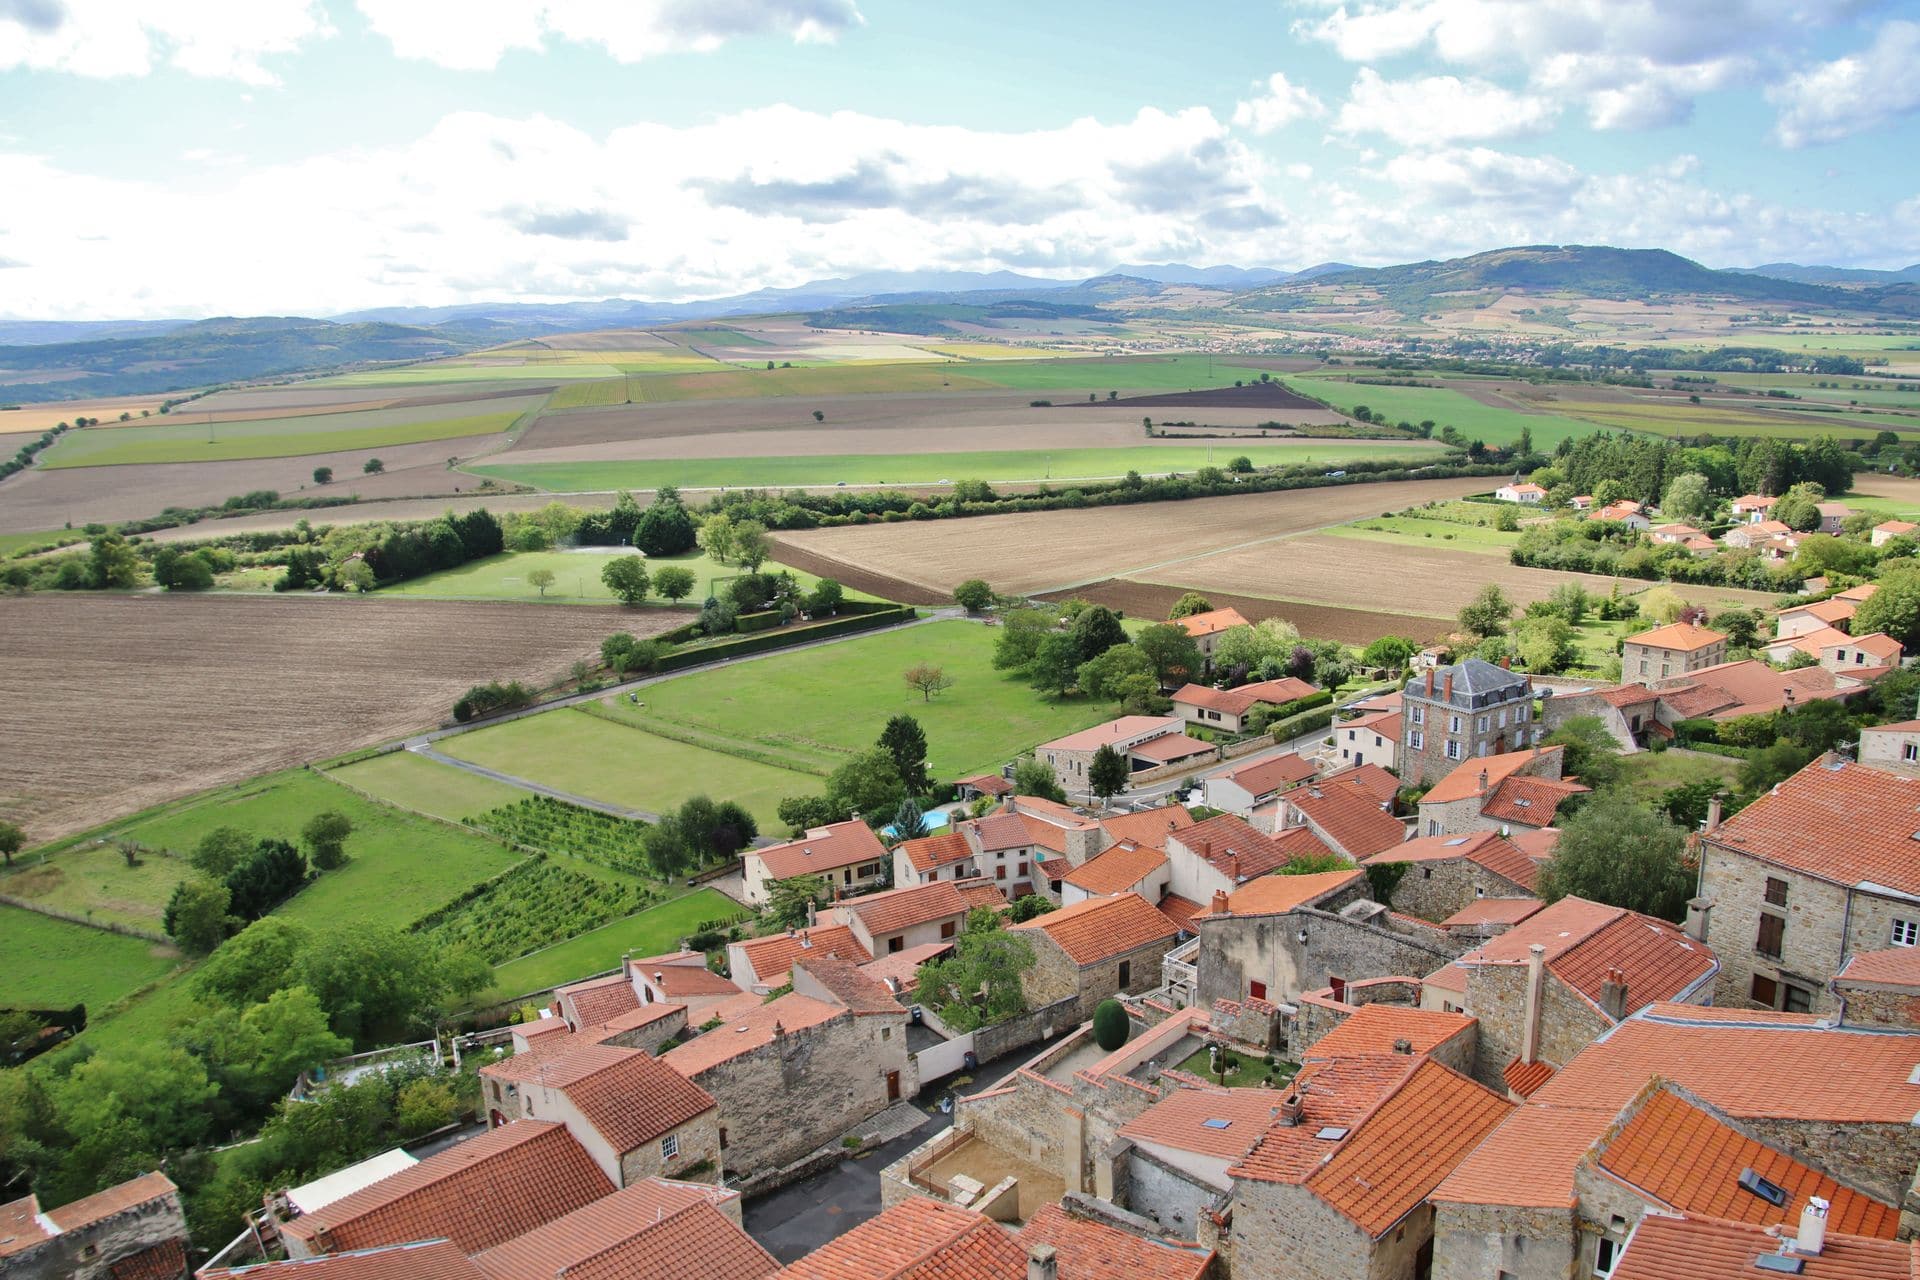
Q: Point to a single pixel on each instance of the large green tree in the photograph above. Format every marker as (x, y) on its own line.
(1031, 777)
(1097, 630)
(1592, 754)
(1616, 851)
(1107, 676)
(196, 915)
(1895, 607)
(1174, 655)
(1188, 605)
(1055, 666)
(867, 785)
(906, 742)
(626, 577)
(1487, 613)
(1108, 773)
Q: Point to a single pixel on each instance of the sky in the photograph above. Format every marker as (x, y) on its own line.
(213, 157)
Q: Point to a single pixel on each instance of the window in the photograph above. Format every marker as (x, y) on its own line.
(1776, 892)
(946, 929)
(1256, 991)
(1773, 931)
(1453, 724)
(1606, 1256)
(1503, 717)
(896, 943)
(1000, 872)
(1023, 869)
(1643, 666)
(886, 1033)
(1480, 725)
(1419, 715)
(1453, 749)
(1795, 999)
(1664, 668)
(1416, 740)
(723, 1137)
(670, 1146)
(1910, 753)
(1126, 974)
(1426, 873)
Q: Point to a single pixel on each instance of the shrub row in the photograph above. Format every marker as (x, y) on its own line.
(1305, 722)
(767, 641)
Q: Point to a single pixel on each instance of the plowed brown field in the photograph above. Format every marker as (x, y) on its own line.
(1315, 621)
(116, 703)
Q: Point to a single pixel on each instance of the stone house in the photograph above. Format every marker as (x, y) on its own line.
(1338, 1186)
(1145, 742)
(136, 1229)
(761, 964)
(998, 846)
(1880, 989)
(1244, 788)
(893, 920)
(1462, 712)
(1680, 1248)
(1627, 711)
(1181, 1148)
(1095, 949)
(1125, 868)
(653, 1228)
(847, 855)
(1832, 613)
(1673, 650)
(1344, 817)
(1887, 530)
(645, 1028)
(1562, 978)
(1446, 873)
(1377, 1028)
(1820, 867)
(1223, 853)
(1519, 789)
(1755, 533)
(1370, 738)
(1861, 654)
(1207, 628)
(1227, 709)
(1891, 744)
(680, 977)
(636, 1117)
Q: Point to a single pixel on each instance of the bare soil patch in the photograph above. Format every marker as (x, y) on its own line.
(1051, 550)
(39, 417)
(1255, 395)
(1315, 621)
(116, 703)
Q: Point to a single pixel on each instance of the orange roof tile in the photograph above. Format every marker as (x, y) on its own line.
(1859, 594)
(1116, 870)
(747, 1030)
(895, 910)
(428, 1260)
(1893, 967)
(1878, 643)
(996, 831)
(1264, 776)
(1684, 1158)
(1681, 637)
(1376, 1028)
(101, 1205)
(991, 784)
(1044, 834)
(600, 999)
(1532, 802)
(846, 982)
(1484, 911)
(1482, 848)
(1529, 1160)
(1525, 1078)
(1273, 895)
(828, 848)
(917, 1239)
(1793, 826)
(931, 852)
(1464, 782)
(1751, 1065)
(773, 956)
(1053, 868)
(1088, 1250)
(654, 1229)
(1101, 928)
(903, 967)
(1169, 747)
(629, 1097)
(1238, 701)
(1149, 827)
(1370, 778)
(1830, 611)
(1666, 1248)
(1224, 1123)
(984, 893)
(1210, 622)
(1224, 840)
(1337, 1093)
(1347, 816)
(1586, 939)
(682, 981)
(477, 1194)
(645, 1015)
(164, 1261)
(1180, 911)
(1118, 730)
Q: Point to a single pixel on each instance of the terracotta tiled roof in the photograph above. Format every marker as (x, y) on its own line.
(1681, 637)
(1169, 747)
(1348, 817)
(681, 981)
(1376, 1028)
(1180, 911)
(1117, 869)
(895, 910)
(1830, 611)
(1464, 782)
(1223, 1123)
(1403, 1149)
(1272, 895)
(1370, 778)
(1665, 1248)
(1263, 776)
(1684, 1158)
(1484, 911)
(917, 1239)
(984, 893)
(930, 852)
(1529, 1160)
(652, 1230)
(1810, 643)
(1487, 849)
(1861, 593)
(1222, 839)
(991, 784)
(1893, 967)
(1239, 701)
(1105, 735)
(1525, 1078)
(861, 992)
(997, 831)
(630, 1098)
(1101, 928)
(164, 1261)
(903, 967)
(1210, 622)
(477, 1194)
(748, 1030)
(1751, 1065)
(1584, 940)
(1448, 977)
(1336, 1094)
(1053, 868)
(634, 1019)
(1149, 827)
(600, 999)
(828, 848)
(1092, 1250)
(117, 1199)
(1878, 643)
(428, 1260)
(1538, 845)
(1531, 802)
(772, 957)
(1795, 824)
(532, 1031)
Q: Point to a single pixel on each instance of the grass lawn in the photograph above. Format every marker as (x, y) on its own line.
(1648, 773)
(98, 884)
(576, 578)
(654, 931)
(577, 752)
(277, 437)
(14, 543)
(1495, 426)
(50, 964)
(415, 782)
(1248, 1071)
(1404, 529)
(930, 468)
(828, 703)
(453, 371)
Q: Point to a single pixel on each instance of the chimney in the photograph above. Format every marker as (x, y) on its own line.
(1713, 816)
(1203, 849)
(778, 1030)
(1813, 1227)
(1697, 911)
(1506, 662)
(1006, 803)
(1483, 782)
(658, 977)
(1429, 682)
(1613, 995)
(1291, 1108)
(1042, 1264)
(1530, 1023)
(813, 912)
(1219, 902)
(1447, 688)
(1403, 1047)
(1233, 868)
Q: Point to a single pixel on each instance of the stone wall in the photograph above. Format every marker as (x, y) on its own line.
(1054, 976)
(1478, 1242)
(1238, 950)
(654, 1034)
(696, 1158)
(1811, 947)
(1877, 1158)
(1435, 890)
(1497, 996)
(1277, 1220)
(1025, 1118)
(111, 1240)
(1028, 1028)
(1173, 1199)
(1250, 1022)
(1870, 1006)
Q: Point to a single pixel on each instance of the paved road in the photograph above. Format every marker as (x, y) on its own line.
(797, 1219)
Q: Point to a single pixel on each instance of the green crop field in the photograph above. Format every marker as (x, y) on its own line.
(575, 751)
(50, 964)
(654, 931)
(928, 468)
(1718, 417)
(280, 437)
(1403, 529)
(15, 543)
(576, 578)
(1445, 407)
(463, 372)
(427, 786)
(823, 705)
(715, 337)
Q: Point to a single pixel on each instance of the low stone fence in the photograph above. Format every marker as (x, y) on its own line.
(1029, 1028)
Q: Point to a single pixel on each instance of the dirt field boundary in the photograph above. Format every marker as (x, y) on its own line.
(850, 575)
(1315, 621)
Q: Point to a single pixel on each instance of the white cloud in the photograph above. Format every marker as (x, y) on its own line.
(223, 39)
(1463, 176)
(1851, 94)
(1439, 109)
(1279, 105)
(473, 35)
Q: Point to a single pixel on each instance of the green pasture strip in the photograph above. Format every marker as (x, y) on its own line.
(1446, 407)
(235, 441)
(412, 781)
(52, 964)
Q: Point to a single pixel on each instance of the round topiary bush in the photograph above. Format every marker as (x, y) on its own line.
(1110, 1027)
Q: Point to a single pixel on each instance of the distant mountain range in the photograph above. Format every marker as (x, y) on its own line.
(1832, 275)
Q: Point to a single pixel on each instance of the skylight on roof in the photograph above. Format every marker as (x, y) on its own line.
(1332, 1133)
(1456, 840)
(1216, 1124)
